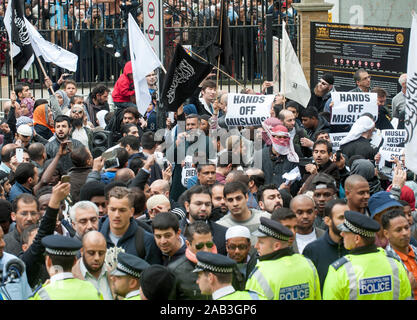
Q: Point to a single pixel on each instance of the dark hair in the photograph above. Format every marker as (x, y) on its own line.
(66, 262)
(133, 111)
(404, 203)
(389, 215)
(328, 208)
(26, 233)
(26, 198)
(197, 189)
(135, 164)
(120, 193)
(148, 140)
(239, 176)
(260, 193)
(43, 190)
(309, 112)
(258, 179)
(192, 116)
(125, 128)
(139, 202)
(208, 84)
(107, 188)
(80, 157)
(24, 171)
(165, 220)
(282, 214)
(36, 150)
(39, 102)
(321, 132)
(62, 118)
(100, 89)
(74, 97)
(201, 165)
(123, 157)
(131, 141)
(293, 104)
(325, 115)
(235, 186)
(18, 88)
(200, 227)
(6, 155)
(277, 109)
(380, 92)
(91, 189)
(326, 143)
(108, 116)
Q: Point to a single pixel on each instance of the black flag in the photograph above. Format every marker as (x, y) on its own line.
(183, 77)
(18, 34)
(222, 45)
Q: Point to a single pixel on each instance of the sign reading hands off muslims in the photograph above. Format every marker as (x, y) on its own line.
(349, 106)
(247, 109)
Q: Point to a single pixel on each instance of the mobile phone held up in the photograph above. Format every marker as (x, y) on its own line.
(65, 179)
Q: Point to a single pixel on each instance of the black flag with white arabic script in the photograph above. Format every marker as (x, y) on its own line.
(14, 23)
(183, 77)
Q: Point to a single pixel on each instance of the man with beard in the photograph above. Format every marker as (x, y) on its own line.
(269, 198)
(186, 144)
(303, 207)
(84, 217)
(90, 267)
(97, 101)
(79, 131)
(62, 128)
(313, 123)
(398, 232)
(198, 206)
(218, 202)
(327, 249)
(322, 92)
(357, 193)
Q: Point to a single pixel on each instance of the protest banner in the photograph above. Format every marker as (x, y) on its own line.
(386, 164)
(188, 171)
(393, 138)
(336, 138)
(349, 106)
(248, 110)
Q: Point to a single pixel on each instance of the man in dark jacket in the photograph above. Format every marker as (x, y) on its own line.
(120, 229)
(198, 205)
(328, 248)
(33, 254)
(198, 238)
(313, 123)
(83, 162)
(384, 120)
(322, 92)
(97, 101)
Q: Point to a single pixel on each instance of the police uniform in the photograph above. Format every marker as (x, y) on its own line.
(283, 274)
(207, 261)
(130, 265)
(366, 273)
(63, 285)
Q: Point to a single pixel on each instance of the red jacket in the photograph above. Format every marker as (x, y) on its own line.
(124, 88)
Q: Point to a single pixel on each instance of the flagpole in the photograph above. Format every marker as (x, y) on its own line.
(218, 69)
(11, 64)
(44, 73)
(220, 42)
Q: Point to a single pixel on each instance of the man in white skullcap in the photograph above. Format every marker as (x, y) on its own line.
(238, 246)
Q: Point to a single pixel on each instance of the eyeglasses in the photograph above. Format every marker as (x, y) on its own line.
(239, 246)
(200, 245)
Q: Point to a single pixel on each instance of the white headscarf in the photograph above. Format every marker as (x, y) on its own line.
(363, 124)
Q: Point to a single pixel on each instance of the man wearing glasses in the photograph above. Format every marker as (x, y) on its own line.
(362, 80)
(198, 238)
(25, 212)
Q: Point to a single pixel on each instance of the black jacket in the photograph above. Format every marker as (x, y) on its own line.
(33, 257)
(383, 122)
(323, 252)
(361, 146)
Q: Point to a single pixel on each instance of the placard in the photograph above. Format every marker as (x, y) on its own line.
(349, 106)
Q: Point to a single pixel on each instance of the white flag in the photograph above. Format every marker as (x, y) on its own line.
(51, 52)
(411, 99)
(293, 82)
(144, 61)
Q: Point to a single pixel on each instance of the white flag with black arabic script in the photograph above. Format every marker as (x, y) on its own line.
(411, 100)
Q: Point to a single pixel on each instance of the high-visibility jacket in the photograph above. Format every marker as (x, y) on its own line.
(367, 275)
(242, 295)
(68, 289)
(133, 295)
(285, 275)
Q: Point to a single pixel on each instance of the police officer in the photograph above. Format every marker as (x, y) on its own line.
(127, 274)
(281, 274)
(366, 273)
(60, 258)
(215, 277)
